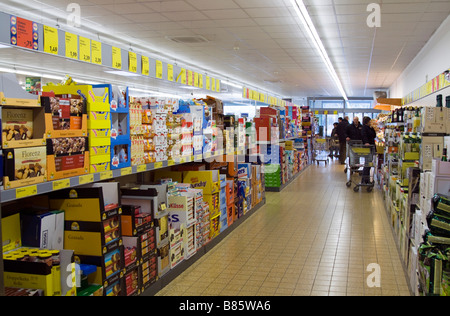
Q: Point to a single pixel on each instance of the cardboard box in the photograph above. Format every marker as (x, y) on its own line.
(43, 230)
(23, 127)
(148, 272)
(65, 116)
(135, 219)
(11, 233)
(67, 157)
(440, 168)
(208, 181)
(431, 148)
(131, 282)
(24, 166)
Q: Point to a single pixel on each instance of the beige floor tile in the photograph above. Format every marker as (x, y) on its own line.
(314, 238)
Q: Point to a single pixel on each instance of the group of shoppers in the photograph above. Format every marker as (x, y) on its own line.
(345, 132)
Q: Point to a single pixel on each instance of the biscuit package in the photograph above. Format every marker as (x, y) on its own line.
(17, 124)
(25, 166)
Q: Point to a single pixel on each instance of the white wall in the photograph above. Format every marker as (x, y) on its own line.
(432, 60)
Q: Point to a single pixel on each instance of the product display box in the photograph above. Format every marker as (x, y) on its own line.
(148, 272)
(11, 232)
(151, 198)
(99, 120)
(65, 116)
(109, 268)
(67, 157)
(120, 154)
(183, 208)
(163, 260)
(176, 254)
(54, 280)
(97, 97)
(24, 166)
(136, 219)
(23, 127)
(208, 181)
(132, 282)
(42, 229)
(431, 148)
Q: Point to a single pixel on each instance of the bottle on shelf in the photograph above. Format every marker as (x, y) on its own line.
(447, 101)
(444, 154)
(439, 101)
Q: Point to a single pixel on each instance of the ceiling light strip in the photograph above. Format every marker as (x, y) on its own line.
(304, 16)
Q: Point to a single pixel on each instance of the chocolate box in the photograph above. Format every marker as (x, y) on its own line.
(22, 127)
(24, 166)
(67, 157)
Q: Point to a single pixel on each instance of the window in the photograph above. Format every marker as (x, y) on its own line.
(359, 105)
(332, 104)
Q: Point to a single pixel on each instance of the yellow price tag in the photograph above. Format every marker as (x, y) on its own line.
(106, 175)
(196, 79)
(27, 191)
(158, 165)
(71, 45)
(61, 184)
(217, 85)
(50, 40)
(96, 52)
(200, 81)
(85, 49)
(170, 162)
(159, 69)
(132, 62)
(170, 72)
(208, 83)
(213, 84)
(86, 179)
(190, 78)
(145, 66)
(116, 58)
(126, 171)
(142, 168)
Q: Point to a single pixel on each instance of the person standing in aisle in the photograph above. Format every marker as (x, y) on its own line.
(342, 135)
(354, 130)
(368, 138)
(334, 150)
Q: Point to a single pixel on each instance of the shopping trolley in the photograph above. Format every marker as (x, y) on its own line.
(333, 145)
(359, 157)
(320, 150)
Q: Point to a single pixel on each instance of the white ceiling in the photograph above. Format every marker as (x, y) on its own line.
(274, 52)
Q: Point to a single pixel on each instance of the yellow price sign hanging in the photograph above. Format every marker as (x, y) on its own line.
(200, 81)
(196, 79)
(85, 49)
(190, 77)
(159, 69)
(71, 45)
(117, 58)
(96, 52)
(213, 84)
(217, 85)
(132, 62)
(182, 76)
(50, 40)
(208, 83)
(169, 72)
(145, 66)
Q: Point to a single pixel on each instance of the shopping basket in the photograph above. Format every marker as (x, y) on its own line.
(320, 150)
(360, 157)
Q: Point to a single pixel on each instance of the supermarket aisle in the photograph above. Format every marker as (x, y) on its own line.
(315, 238)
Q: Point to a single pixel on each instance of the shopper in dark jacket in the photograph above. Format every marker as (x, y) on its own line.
(342, 134)
(368, 137)
(354, 130)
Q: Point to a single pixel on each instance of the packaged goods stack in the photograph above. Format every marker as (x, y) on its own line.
(93, 231)
(151, 201)
(209, 182)
(23, 136)
(181, 214)
(148, 133)
(197, 116)
(231, 206)
(223, 202)
(123, 142)
(159, 128)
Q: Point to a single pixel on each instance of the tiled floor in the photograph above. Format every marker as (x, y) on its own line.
(315, 238)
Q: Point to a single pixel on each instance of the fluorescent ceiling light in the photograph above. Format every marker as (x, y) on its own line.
(303, 14)
(189, 88)
(122, 73)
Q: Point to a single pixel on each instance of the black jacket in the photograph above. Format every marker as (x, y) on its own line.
(368, 135)
(353, 132)
(341, 130)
